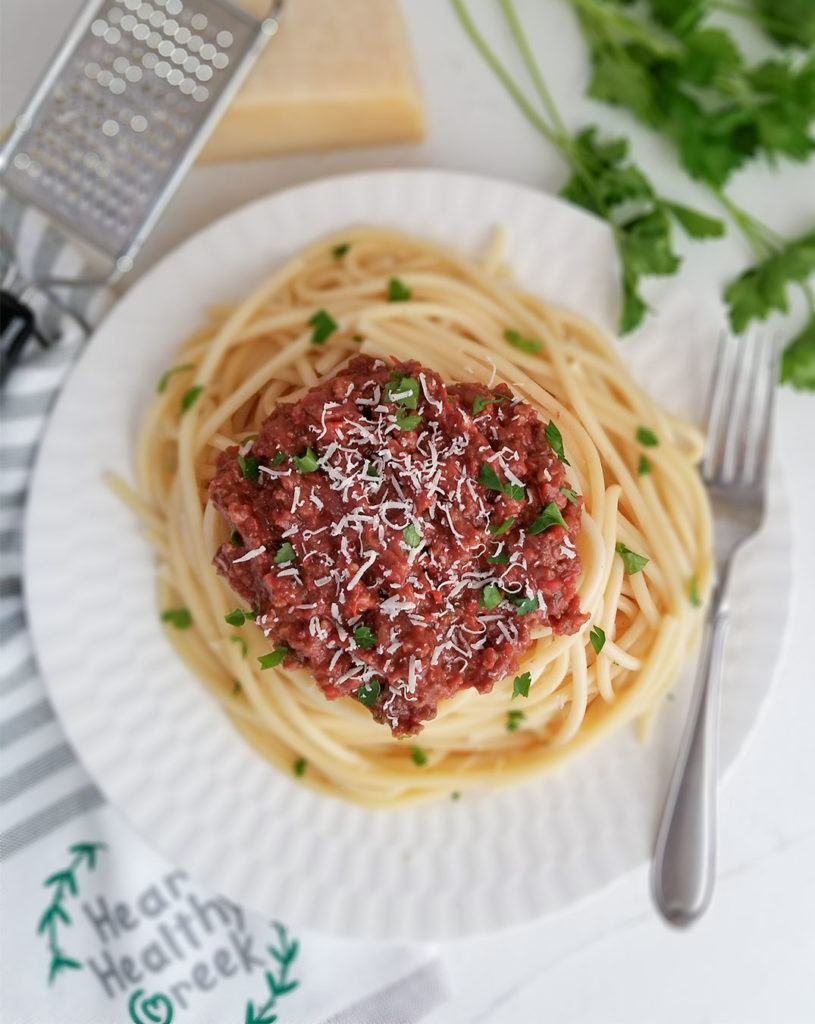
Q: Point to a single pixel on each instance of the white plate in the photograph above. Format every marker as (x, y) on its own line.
(162, 750)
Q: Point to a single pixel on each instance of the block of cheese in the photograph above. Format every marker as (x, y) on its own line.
(338, 73)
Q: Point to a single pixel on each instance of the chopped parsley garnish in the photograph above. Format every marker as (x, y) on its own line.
(517, 340)
(398, 291)
(455, 795)
(165, 378)
(418, 756)
(488, 478)
(279, 459)
(549, 517)
(524, 605)
(501, 558)
(693, 591)
(514, 719)
(368, 692)
(239, 616)
(285, 553)
(407, 422)
(273, 659)
(632, 562)
(403, 391)
(490, 597)
(235, 639)
(480, 403)
(178, 617)
(647, 437)
(299, 766)
(235, 538)
(521, 684)
(250, 467)
(411, 536)
(324, 326)
(340, 250)
(598, 638)
(643, 466)
(249, 437)
(555, 439)
(364, 637)
(372, 471)
(189, 397)
(569, 494)
(501, 528)
(236, 688)
(307, 462)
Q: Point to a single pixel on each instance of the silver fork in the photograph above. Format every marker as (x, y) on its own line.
(734, 469)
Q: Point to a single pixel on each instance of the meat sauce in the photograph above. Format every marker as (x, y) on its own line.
(399, 538)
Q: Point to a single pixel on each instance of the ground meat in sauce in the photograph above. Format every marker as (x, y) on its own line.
(455, 610)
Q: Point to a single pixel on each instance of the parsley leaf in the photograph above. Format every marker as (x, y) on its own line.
(403, 391)
(523, 605)
(340, 250)
(521, 684)
(235, 639)
(490, 597)
(250, 467)
(324, 326)
(598, 638)
(647, 437)
(569, 494)
(411, 536)
(307, 462)
(763, 288)
(480, 403)
(275, 658)
(189, 397)
(398, 291)
(299, 766)
(553, 436)
(643, 466)
(693, 591)
(285, 553)
(279, 459)
(632, 562)
(515, 492)
(514, 719)
(418, 756)
(165, 377)
(235, 538)
(407, 422)
(798, 360)
(368, 692)
(517, 340)
(489, 478)
(501, 558)
(180, 618)
(695, 224)
(239, 616)
(550, 516)
(364, 637)
(501, 528)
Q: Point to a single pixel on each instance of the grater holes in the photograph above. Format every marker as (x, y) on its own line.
(120, 65)
(175, 77)
(128, 23)
(162, 69)
(117, 86)
(199, 22)
(144, 11)
(187, 87)
(170, 27)
(112, 36)
(195, 43)
(157, 19)
(224, 39)
(201, 94)
(174, 7)
(183, 35)
(208, 51)
(179, 55)
(149, 60)
(203, 73)
(133, 74)
(141, 32)
(99, 27)
(220, 61)
(114, 15)
(165, 47)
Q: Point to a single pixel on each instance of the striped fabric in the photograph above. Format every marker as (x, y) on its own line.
(42, 784)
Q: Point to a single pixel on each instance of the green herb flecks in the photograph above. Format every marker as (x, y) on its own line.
(398, 291)
(569, 494)
(500, 558)
(643, 466)
(490, 597)
(180, 618)
(480, 403)
(523, 605)
(647, 437)
(632, 562)
(497, 530)
(235, 538)
(551, 516)
(340, 250)
(418, 756)
(279, 459)
(235, 639)
(555, 439)
(273, 659)
(693, 591)
(239, 616)
(250, 467)
(169, 374)
(190, 397)
(299, 766)
(517, 340)
(364, 637)
(324, 326)
(411, 536)
(307, 462)
(521, 684)
(284, 554)
(488, 478)
(597, 638)
(368, 692)
(403, 391)
(514, 720)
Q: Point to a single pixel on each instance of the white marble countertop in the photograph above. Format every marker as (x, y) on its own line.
(609, 958)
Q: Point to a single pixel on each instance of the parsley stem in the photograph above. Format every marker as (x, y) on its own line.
(810, 297)
(538, 81)
(615, 23)
(763, 240)
(503, 75)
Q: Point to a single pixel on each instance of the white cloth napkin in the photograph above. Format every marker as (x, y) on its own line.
(96, 927)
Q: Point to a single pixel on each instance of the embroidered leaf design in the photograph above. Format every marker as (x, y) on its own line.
(88, 852)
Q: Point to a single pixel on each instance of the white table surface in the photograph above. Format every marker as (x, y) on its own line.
(608, 958)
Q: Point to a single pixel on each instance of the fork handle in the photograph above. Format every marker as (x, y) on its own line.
(685, 855)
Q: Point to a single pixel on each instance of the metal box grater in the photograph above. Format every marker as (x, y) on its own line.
(122, 111)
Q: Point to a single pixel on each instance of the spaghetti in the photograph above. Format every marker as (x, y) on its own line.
(644, 543)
